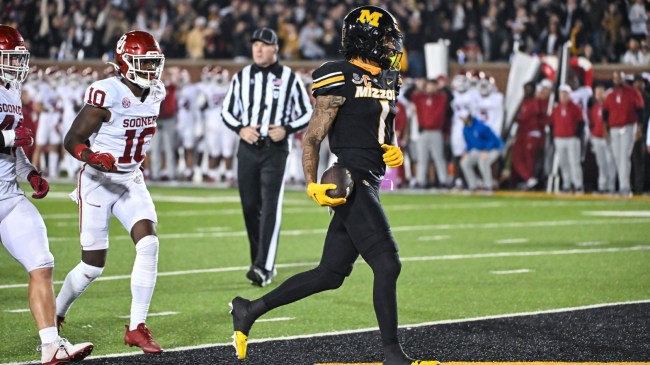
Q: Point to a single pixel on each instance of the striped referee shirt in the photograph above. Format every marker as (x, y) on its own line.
(263, 96)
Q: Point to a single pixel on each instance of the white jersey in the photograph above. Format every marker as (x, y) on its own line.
(11, 114)
(214, 95)
(186, 101)
(127, 135)
(490, 110)
(468, 101)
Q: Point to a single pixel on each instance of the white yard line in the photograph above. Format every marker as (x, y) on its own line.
(24, 310)
(508, 272)
(159, 314)
(617, 213)
(591, 243)
(278, 319)
(308, 208)
(361, 330)
(441, 227)
(403, 259)
(511, 240)
(432, 238)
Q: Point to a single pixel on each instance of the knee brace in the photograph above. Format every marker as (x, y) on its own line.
(145, 267)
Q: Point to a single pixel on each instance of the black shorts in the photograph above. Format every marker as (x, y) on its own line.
(359, 227)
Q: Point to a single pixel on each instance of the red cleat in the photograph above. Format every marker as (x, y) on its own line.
(143, 338)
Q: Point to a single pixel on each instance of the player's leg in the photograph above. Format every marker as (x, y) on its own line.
(336, 263)
(137, 214)
(228, 144)
(30, 248)
(95, 202)
(368, 227)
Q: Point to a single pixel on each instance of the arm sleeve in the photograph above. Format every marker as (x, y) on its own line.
(302, 107)
(23, 166)
(231, 110)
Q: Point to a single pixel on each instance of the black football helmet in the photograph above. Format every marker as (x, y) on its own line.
(372, 33)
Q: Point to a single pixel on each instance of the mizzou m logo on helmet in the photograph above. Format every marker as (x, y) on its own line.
(371, 18)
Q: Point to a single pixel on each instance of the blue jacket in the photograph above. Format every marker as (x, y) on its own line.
(480, 137)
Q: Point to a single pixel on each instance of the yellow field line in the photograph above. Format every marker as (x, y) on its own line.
(510, 363)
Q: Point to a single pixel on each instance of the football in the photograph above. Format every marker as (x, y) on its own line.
(341, 177)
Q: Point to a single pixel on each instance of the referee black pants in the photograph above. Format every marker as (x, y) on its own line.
(260, 173)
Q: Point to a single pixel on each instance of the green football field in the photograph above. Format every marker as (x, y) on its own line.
(463, 256)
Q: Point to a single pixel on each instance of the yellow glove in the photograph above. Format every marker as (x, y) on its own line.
(393, 156)
(318, 193)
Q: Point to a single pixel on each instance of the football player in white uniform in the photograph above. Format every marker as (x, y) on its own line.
(490, 106)
(71, 93)
(465, 98)
(122, 110)
(48, 133)
(187, 114)
(22, 230)
(219, 142)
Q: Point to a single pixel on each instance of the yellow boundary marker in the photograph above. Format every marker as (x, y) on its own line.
(509, 363)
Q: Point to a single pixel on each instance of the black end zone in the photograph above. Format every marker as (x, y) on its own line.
(617, 333)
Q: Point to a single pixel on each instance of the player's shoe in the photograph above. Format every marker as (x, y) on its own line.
(59, 323)
(62, 351)
(260, 277)
(242, 323)
(143, 338)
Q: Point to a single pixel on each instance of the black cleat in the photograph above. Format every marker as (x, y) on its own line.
(242, 322)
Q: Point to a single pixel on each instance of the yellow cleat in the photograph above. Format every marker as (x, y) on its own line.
(421, 362)
(240, 341)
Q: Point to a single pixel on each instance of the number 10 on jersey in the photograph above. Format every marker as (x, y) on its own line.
(137, 156)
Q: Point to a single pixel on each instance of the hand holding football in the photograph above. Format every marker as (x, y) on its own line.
(341, 177)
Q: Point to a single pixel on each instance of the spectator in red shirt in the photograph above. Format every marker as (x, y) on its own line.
(567, 125)
(432, 107)
(529, 141)
(622, 113)
(600, 143)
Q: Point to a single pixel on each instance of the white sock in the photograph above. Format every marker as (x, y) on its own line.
(48, 335)
(143, 279)
(53, 164)
(75, 283)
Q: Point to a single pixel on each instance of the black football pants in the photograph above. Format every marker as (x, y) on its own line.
(260, 177)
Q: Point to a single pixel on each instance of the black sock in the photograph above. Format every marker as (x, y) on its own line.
(386, 268)
(303, 285)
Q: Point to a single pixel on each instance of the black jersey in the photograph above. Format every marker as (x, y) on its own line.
(366, 120)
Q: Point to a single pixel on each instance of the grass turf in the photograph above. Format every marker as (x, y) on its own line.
(450, 246)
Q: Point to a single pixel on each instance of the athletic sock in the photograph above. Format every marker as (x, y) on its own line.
(143, 279)
(48, 335)
(75, 283)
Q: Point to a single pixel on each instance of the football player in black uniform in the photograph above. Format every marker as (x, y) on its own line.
(355, 105)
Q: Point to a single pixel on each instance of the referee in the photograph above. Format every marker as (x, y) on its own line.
(265, 103)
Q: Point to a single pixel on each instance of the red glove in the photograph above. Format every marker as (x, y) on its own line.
(40, 185)
(24, 136)
(104, 160)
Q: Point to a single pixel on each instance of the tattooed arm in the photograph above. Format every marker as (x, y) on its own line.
(319, 125)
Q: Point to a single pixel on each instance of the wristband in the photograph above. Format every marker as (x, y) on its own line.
(9, 137)
(78, 150)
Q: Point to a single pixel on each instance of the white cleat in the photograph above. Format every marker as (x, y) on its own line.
(62, 351)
